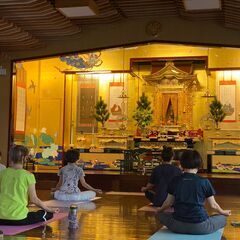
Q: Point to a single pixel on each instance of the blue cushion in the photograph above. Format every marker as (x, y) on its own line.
(164, 234)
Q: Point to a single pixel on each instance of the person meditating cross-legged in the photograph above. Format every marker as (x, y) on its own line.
(156, 189)
(187, 193)
(67, 188)
(16, 185)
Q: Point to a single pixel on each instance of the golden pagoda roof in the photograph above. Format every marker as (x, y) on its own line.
(171, 75)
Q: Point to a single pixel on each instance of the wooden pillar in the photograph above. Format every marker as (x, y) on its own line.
(5, 106)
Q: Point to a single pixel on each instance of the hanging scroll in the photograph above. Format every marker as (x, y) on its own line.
(228, 99)
(86, 100)
(115, 102)
(19, 101)
(20, 109)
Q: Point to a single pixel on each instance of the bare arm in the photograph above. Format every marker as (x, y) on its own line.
(148, 187)
(34, 199)
(167, 203)
(214, 205)
(87, 186)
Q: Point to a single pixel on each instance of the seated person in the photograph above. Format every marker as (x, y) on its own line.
(156, 189)
(16, 185)
(1, 165)
(69, 176)
(187, 193)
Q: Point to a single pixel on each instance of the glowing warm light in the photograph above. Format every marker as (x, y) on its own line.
(104, 78)
(228, 75)
(94, 72)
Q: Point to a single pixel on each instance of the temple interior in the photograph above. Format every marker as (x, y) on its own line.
(55, 101)
(120, 119)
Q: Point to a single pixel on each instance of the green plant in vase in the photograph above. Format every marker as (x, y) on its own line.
(217, 111)
(101, 112)
(143, 113)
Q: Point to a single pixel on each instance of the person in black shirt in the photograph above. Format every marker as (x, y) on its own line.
(188, 193)
(156, 189)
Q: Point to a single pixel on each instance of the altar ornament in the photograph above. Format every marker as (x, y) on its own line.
(207, 122)
(101, 114)
(143, 113)
(228, 109)
(95, 149)
(217, 112)
(87, 61)
(153, 134)
(153, 28)
(207, 94)
(123, 94)
(122, 126)
(194, 133)
(173, 93)
(171, 76)
(81, 139)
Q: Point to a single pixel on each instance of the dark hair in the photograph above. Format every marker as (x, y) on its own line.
(71, 156)
(191, 159)
(167, 154)
(18, 153)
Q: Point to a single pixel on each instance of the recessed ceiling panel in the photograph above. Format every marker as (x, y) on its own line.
(71, 12)
(202, 4)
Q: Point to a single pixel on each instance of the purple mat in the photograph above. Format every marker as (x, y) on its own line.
(13, 230)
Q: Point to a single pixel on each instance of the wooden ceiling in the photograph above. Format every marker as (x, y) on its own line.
(29, 24)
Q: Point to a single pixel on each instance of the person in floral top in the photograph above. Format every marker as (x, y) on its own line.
(69, 176)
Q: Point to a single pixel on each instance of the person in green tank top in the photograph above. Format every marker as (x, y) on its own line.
(16, 186)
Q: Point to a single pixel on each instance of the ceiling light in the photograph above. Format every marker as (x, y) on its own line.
(191, 5)
(77, 8)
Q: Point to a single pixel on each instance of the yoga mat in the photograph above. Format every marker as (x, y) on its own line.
(125, 193)
(13, 230)
(164, 234)
(67, 204)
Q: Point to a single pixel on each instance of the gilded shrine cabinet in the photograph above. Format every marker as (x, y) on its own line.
(172, 92)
